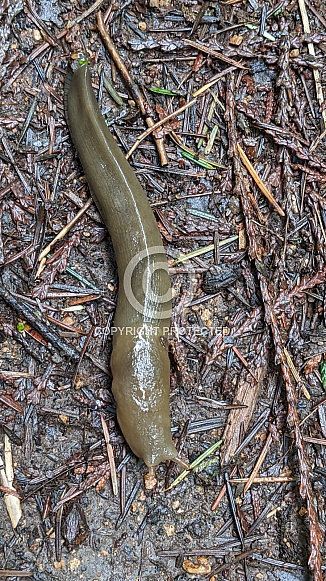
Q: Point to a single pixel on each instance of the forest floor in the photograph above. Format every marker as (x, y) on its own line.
(236, 181)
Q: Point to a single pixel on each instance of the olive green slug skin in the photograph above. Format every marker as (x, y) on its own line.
(139, 361)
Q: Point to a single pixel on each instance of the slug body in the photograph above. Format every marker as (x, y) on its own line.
(139, 361)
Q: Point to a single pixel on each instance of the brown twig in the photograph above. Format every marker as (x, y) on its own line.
(259, 463)
(62, 233)
(34, 17)
(213, 52)
(12, 501)
(131, 85)
(223, 490)
(311, 50)
(243, 361)
(109, 450)
(263, 480)
(258, 181)
(15, 573)
(157, 125)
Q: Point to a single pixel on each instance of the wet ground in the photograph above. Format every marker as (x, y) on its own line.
(247, 338)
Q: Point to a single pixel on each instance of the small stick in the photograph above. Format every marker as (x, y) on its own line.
(258, 181)
(244, 361)
(263, 480)
(131, 85)
(85, 14)
(10, 402)
(63, 232)
(213, 52)
(253, 200)
(57, 533)
(319, 441)
(295, 373)
(129, 502)
(236, 559)
(252, 432)
(199, 16)
(15, 573)
(12, 503)
(123, 483)
(157, 125)
(316, 13)
(317, 141)
(109, 450)
(223, 490)
(233, 508)
(11, 159)
(28, 119)
(34, 17)
(14, 374)
(311, 50)
(259, 462)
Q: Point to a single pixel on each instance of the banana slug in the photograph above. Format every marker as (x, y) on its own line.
(139, 361)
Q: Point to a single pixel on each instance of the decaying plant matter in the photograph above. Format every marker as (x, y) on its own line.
(221, 107)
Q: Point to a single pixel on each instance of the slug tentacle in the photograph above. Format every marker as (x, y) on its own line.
(139, 361)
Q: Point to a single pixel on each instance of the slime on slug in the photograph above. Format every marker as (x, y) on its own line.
(139, 361)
